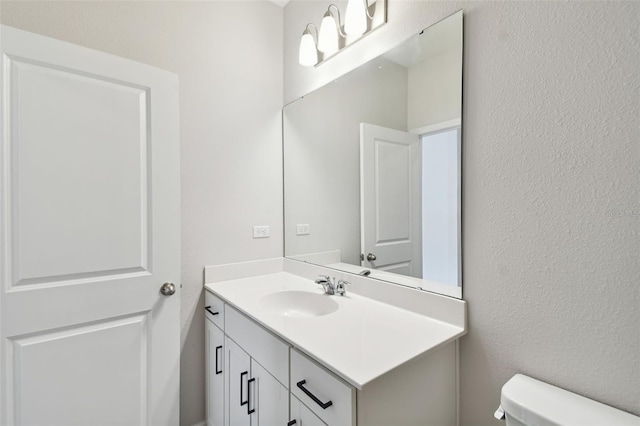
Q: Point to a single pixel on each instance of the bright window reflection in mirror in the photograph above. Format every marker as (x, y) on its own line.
(372, 166)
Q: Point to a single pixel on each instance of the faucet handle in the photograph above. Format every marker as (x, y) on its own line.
(341, 287)
(327, 284)
(323, 279)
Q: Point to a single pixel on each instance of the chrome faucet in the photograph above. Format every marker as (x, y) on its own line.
(327, 283)
(330, 287)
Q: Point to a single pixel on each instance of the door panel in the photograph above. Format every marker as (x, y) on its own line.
(392, 167)
(269, 398)
(214, 354)
(239, 373)
(89, 231)
(390, 199)
(43, 366)
(79, 163)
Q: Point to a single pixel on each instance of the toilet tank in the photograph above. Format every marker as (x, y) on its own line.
(530, 402)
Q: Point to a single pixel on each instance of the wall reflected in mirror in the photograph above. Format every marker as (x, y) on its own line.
(372, 176)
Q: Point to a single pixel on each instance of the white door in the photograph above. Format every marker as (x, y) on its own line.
(214, 358)
(390, 200)
(89, 232)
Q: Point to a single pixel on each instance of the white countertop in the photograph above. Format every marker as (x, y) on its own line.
(360, 341)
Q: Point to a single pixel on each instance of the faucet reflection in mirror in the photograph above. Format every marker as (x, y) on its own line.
(361, 19)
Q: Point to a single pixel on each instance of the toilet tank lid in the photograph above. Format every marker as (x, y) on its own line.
(533, 402)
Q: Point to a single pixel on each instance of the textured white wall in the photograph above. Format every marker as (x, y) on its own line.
(229, 59)
(551, 188)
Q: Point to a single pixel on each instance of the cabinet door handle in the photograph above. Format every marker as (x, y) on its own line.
(217, 349)
(292, 422)
(242, 375)
(253, 410)
(208, 308)
(324, 405)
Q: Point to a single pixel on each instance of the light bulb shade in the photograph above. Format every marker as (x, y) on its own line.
(355, 21)
(308, 54)
(328, 36)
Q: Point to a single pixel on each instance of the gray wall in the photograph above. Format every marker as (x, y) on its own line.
(551, 188)
(229, 59)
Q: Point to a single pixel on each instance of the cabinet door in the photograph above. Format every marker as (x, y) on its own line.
(268, 397)
(214, 353)
(302, 415)
(238, 369)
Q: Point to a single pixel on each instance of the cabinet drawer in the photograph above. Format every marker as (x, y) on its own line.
(321, 388)
(269, 351)
(212, 305)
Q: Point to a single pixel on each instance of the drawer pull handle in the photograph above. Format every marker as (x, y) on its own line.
(208, 308)
(292, 422)
(253, 410)
(217, 349)
(246, 373)
(324, 405)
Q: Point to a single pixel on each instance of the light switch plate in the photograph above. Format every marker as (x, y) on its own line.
(261, 231)
(303, 229)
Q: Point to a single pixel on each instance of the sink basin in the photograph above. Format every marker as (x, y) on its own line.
(299, 304)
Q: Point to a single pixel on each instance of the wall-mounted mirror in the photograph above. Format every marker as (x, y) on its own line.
(372, 180)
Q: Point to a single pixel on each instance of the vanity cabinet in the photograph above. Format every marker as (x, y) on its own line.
(267, 382)
(247, 370)
(248, 374)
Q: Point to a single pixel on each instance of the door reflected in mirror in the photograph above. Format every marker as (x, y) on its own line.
(372, 178)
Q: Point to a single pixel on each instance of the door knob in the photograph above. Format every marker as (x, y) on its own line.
(371, 257)
(168, 289)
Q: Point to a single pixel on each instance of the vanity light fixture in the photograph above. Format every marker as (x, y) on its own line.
(357, 17)
(330, 32)
(361, 19)
(308, 54)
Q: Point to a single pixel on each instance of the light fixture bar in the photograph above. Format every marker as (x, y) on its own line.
(360, 20)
